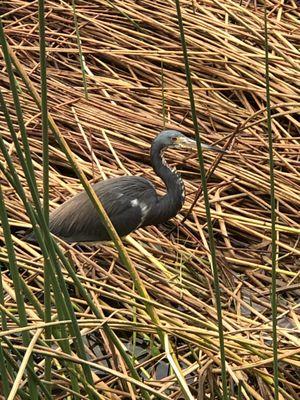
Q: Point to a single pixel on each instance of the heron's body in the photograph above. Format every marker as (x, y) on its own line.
(131, 202)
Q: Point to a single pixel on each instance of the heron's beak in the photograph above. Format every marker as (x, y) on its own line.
(212, 148)
(191, 144)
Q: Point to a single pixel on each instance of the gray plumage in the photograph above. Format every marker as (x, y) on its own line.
(77, 220)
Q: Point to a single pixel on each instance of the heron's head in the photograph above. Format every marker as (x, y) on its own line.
(174, 139)
(177, 140)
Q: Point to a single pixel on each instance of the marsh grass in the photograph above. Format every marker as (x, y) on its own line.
(132, 60)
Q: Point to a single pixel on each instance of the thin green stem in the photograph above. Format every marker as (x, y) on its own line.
(44, 110)
(5, 369)
(4, 374)
(47, 281)
(207, 204)
(273, 211)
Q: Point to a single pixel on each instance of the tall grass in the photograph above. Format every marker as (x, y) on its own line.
(212, 247)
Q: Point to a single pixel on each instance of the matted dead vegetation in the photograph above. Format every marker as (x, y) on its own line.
(134, 65)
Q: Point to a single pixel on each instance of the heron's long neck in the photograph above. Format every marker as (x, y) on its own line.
(172, 201)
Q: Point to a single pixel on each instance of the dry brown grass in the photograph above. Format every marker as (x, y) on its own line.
(110, 132)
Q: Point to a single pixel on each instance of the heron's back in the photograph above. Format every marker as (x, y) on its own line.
(124, 199)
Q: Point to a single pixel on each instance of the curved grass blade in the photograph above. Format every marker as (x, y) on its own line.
(44, 107)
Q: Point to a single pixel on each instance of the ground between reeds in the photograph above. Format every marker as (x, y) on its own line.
(132, 54)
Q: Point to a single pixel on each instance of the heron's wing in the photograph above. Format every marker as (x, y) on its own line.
(126, 201)
(117, 194)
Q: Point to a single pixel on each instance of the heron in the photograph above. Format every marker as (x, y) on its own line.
(131, 202)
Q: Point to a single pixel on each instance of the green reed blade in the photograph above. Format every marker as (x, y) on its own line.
(206, 201)
(273, 210)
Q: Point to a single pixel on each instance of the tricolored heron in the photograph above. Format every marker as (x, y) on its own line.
(131, 202)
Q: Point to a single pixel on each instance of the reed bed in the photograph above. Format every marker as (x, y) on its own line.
(135, 86)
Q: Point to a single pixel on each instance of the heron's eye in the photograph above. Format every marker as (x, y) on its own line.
(174, 139)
